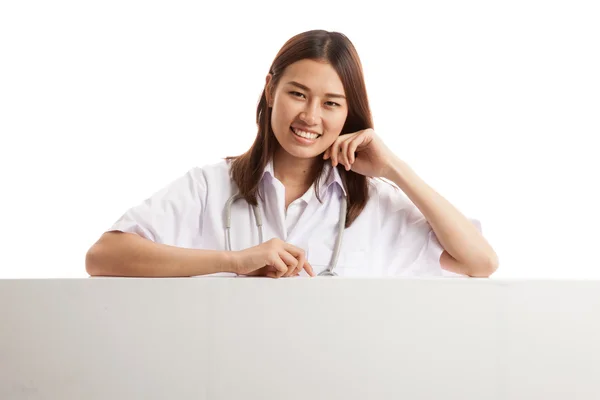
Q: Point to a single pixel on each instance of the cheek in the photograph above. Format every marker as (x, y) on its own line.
(335, 124)
(282, 115)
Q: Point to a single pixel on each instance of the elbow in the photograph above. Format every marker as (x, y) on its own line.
(92, 261)
(110, 256)
(97, 257)
(485, 269)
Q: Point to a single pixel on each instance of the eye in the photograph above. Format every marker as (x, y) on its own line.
(297, 94)
(332, 104)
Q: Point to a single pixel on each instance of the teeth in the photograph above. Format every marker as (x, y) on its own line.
(305, 135)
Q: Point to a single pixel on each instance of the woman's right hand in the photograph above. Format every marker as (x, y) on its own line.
(274, 258)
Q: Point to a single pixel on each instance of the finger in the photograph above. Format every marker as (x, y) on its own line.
(301, 257)
(343, 150)
(280, 266)
(271, 274)
(283, 268)
(326, 154)
(309, 269)
(352, 146)
(302, 266)
(344, 159)
(334, 152)
(297, 269)
(290, 261)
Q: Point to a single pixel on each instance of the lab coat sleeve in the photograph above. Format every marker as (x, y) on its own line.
(411, 247)
(171, 216)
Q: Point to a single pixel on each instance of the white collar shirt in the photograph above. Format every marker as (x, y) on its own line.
(390, 237)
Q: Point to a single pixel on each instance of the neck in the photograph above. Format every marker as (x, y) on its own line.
(292, 171)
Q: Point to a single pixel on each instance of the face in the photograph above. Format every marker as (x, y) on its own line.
(309, 108)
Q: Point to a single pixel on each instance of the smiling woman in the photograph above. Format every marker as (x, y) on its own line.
(310, 191)
(296, 106)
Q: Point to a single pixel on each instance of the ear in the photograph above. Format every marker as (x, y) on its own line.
(269, 90)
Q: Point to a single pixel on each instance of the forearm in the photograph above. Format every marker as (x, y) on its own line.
(457, 235)
(127, 254)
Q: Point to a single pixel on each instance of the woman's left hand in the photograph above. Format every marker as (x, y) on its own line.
(362, 152)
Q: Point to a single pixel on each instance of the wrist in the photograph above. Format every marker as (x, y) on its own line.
(395, 171)
(230, 262)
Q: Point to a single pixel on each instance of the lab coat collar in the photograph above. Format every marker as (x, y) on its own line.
(329, 176)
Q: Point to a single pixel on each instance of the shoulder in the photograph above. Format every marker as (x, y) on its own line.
(387, 205)
(388, 196)
(199, 180)
(212, 172)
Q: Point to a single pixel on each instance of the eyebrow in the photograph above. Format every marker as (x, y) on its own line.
(301, 86)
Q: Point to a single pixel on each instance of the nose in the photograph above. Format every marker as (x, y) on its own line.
(311, 114)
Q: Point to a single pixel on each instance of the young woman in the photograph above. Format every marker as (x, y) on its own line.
(305, 198)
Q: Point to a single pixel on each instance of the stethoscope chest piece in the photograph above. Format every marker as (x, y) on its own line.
(327, 273)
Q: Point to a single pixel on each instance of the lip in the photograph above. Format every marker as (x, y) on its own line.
(301, 140)
(300, 128)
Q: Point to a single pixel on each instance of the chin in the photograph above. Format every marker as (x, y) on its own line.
(302, 153)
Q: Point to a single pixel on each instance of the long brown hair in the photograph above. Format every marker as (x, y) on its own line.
(336, 49)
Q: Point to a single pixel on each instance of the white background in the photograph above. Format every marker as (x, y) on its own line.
(496, 105)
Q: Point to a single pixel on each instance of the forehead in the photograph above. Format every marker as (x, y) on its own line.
(319, 76)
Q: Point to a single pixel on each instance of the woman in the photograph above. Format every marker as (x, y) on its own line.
(311, 176)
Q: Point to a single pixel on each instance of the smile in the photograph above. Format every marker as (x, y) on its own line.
(306, 135)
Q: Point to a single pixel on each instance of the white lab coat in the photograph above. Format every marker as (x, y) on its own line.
(389, 238)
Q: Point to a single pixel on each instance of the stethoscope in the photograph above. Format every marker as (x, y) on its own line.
(258, 219)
